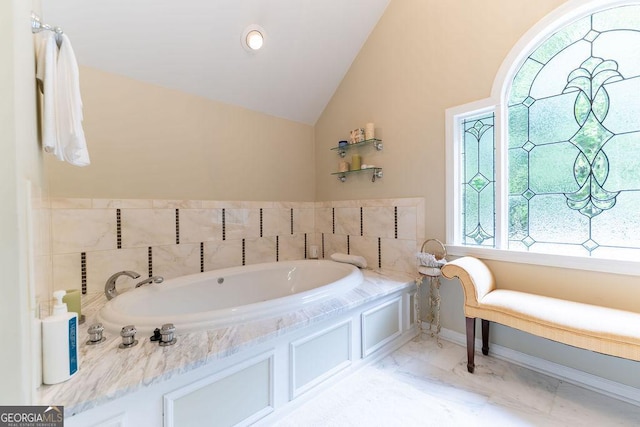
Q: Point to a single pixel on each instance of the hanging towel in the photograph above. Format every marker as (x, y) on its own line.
(62, 133)
(69, 107)
(47, 56)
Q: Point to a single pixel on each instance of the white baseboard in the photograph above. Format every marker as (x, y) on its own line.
(570, 375)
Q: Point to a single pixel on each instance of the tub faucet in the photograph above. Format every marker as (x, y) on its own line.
(110, 285)
(152, 279)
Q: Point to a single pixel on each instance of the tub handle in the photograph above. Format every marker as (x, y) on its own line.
(166, 334)
(95, 334)
(128, 334)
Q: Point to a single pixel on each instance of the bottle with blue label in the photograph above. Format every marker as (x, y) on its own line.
(59, 343)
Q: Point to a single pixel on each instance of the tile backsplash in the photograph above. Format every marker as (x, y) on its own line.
(93, 238)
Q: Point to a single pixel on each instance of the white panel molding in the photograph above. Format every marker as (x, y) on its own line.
(410, 300)
(367, 348)
(297, 391)
(169, 398)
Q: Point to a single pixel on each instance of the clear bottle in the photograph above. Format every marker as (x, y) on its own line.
(59, 343)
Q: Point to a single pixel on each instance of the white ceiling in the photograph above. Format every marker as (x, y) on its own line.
(194, 46)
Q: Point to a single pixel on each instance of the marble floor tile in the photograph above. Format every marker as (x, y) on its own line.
(426, 384)
(576, 405)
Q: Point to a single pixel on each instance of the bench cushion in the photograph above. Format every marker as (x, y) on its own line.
(582, 318)
(601, 329)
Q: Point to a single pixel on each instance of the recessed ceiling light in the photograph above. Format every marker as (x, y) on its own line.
(253, 38)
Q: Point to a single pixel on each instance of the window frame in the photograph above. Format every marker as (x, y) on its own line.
(497, 104)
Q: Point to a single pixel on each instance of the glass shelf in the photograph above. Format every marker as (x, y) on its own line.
(342, 151)
(376, 173)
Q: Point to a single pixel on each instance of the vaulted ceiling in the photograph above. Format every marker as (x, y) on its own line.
(195, 46)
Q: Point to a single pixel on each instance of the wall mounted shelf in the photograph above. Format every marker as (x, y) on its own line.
(342, 151)
(376, 173)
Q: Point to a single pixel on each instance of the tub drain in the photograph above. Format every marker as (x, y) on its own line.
(220, 280)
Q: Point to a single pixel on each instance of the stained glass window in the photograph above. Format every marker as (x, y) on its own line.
(573, 143)
(568, 180)
(478, 180)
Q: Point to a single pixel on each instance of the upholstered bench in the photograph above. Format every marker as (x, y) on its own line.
(601, 329)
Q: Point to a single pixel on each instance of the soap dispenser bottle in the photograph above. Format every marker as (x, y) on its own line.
(59, 343)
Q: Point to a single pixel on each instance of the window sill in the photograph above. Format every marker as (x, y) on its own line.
(631, 268)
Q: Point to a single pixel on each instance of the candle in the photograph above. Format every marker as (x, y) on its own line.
(355, 162)
(369, 131)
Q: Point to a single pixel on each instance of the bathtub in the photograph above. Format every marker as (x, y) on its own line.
(228, 296)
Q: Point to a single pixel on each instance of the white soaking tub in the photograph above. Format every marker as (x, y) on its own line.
(227, 296)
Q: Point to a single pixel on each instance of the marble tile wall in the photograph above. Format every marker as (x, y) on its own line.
(386, 232)
(94, 238)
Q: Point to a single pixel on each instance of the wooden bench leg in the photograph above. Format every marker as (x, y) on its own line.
(485, 337)
(471, 338)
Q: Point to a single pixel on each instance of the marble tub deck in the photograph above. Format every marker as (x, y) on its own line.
(107, 373)
(421, 384)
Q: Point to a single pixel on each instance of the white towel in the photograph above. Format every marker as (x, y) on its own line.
(62, 133)
(356, 260)
(47, 57)
(69, 107)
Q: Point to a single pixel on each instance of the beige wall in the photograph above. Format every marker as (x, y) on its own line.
(148, 142)
(423, 57)
(19, 163)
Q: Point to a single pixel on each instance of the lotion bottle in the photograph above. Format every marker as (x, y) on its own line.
(59, 343)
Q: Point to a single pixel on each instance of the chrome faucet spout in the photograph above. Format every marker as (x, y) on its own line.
(152, 279)
(110, 285)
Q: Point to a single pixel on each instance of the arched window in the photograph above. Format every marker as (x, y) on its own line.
(553, 167)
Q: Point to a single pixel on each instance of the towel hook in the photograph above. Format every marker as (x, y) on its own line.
(37, 26)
